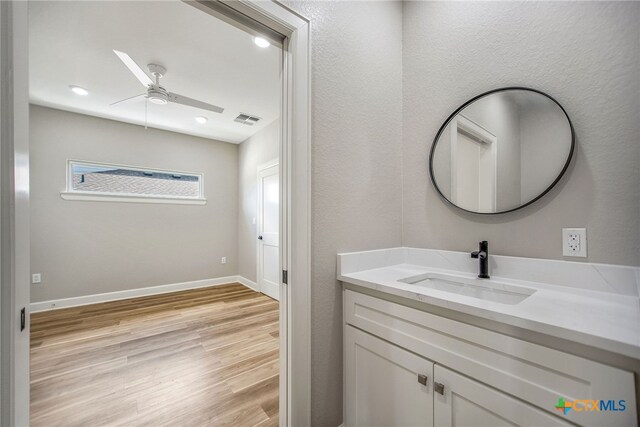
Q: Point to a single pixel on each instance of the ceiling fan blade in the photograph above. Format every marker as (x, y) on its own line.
(184, 100)
(131, 99)
(134, 68)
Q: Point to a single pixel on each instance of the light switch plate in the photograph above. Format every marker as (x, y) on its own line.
(574, 242)
(36, 278)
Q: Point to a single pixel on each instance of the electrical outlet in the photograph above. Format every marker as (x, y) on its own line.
(253, 221)
(36, 278)
(574, 242)
(223, 260)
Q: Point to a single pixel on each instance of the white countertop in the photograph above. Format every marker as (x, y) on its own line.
(605, 320)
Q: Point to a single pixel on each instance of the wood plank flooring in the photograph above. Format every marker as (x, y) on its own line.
(200, 357)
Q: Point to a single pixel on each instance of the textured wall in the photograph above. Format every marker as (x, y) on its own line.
(356, 162)
(586, 55)
(85, 248)
(253, 152)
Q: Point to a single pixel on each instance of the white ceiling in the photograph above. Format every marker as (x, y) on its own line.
(71, 43)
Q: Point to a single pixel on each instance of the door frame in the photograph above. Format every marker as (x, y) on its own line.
(282, 26)
(14, 214)
(259, 213)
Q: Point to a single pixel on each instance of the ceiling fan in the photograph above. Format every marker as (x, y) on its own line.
(156, 93)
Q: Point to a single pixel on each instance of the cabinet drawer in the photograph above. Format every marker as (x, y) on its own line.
(531, 372)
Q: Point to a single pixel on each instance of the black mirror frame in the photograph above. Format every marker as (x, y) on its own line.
(462, 107)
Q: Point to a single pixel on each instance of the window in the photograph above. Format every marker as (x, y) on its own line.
(100, 181)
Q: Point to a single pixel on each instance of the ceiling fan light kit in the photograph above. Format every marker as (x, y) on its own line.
(158, 95)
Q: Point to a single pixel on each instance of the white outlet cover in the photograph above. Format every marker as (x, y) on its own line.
(36, 278)
(223, 260)
(574, 242)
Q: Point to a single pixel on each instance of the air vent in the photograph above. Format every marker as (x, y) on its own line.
(247, 119)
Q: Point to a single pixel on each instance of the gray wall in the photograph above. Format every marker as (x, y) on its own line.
(84, 248)
(253, 152)
(356, 104)
(586, 55)
(542, 125)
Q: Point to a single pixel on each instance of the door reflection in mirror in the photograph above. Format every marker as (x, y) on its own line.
(473, 166)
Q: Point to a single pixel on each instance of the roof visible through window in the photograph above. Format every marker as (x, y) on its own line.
(106, 179)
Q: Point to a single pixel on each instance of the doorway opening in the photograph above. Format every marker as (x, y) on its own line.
(155, 227)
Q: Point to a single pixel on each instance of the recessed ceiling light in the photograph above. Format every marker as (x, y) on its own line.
(259, 41)
(79, 90)
(201, 120)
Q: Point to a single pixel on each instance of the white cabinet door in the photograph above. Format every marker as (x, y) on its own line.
(384, 383)
(465, 402)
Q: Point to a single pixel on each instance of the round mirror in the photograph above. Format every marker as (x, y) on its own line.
(501, 150)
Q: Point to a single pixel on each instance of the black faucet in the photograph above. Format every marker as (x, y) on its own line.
(483, 257)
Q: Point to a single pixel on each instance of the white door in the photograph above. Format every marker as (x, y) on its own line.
(465, 402)
(385, 385)
(268, 231)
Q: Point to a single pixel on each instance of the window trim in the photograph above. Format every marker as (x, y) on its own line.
(96, 196)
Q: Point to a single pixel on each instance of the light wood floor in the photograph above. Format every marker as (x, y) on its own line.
(200, 357)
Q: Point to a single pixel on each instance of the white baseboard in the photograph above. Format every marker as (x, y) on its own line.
(248, 283)
(139, 292)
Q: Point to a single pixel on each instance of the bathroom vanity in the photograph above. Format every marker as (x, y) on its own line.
(542, 342)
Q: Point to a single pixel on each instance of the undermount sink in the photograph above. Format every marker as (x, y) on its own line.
(484, 289)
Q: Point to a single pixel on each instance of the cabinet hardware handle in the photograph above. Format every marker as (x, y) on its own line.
(438, 388)
(422, 379)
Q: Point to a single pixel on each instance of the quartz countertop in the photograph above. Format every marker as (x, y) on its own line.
(601, 319)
